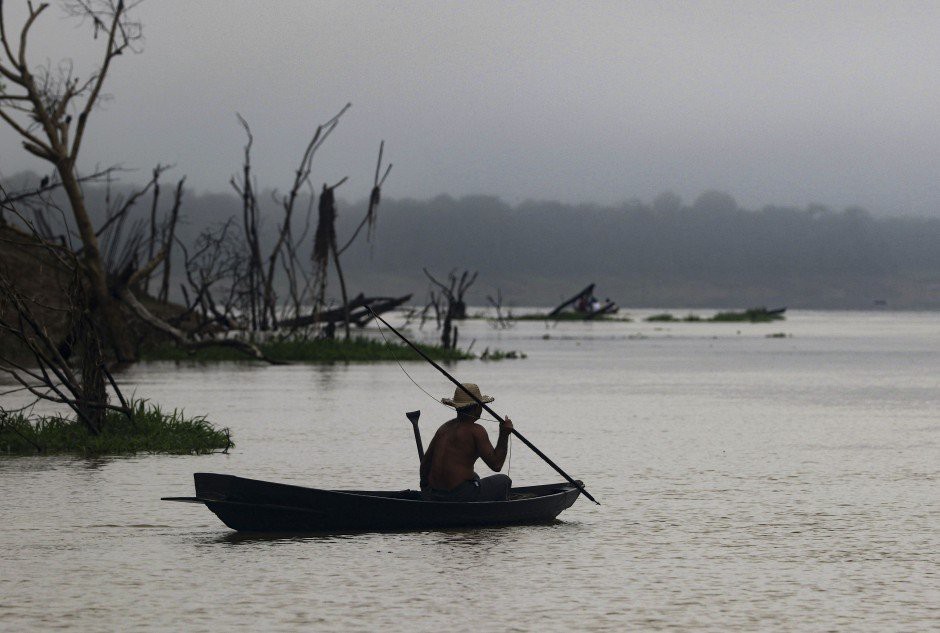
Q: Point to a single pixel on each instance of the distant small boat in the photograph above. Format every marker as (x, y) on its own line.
(586, 305)
(251, 505)
(608, 308)
(776, 311)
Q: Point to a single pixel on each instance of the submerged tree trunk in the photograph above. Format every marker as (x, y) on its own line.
(445, 334)
(342, 288)
(93, 379)
(168, 242)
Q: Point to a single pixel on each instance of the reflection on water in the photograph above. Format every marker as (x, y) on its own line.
(252, 539)
(747, 483)
(453, 536)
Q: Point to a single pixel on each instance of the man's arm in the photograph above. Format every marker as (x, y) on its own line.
(493, 457)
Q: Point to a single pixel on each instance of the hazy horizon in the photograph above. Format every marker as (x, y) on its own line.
(671, 253)
(776, 104)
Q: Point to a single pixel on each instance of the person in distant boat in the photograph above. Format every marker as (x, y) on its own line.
(447, 468)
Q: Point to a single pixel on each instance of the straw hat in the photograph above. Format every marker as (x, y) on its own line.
(461, 399)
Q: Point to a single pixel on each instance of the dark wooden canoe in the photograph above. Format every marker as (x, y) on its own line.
(250, 505)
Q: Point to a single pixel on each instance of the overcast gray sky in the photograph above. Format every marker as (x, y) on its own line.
(773, 102)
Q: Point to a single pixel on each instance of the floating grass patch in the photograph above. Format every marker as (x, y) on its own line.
(569, 316)
(359, 349)
(498, 354)
(147, 430)
(753, 315)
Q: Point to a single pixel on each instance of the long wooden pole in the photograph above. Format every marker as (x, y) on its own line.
(486, 408)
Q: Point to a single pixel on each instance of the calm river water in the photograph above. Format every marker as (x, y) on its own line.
(748, 482)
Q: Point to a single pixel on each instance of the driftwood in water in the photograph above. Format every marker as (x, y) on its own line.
(587, 291)
(359, 313)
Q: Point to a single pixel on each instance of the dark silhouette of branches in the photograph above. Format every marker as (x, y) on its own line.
(50, 375)
(169, 238)
(375, 198)
(39, 105)
(451, 303)
(502, 321)
(261, 299)
(325, 245)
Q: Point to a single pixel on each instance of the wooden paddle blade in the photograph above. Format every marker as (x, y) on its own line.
(413, 418)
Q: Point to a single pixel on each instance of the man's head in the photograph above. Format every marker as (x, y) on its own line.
(467, 406)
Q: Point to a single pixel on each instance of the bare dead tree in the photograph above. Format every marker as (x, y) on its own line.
(169, 238)
(375, 197)
(288, 202)
(121, 247)
(502, 321)
(325, 245)
(451, 303)
(152, 241)
(247, 280)
(298, 279)
(214, 272)
(257, 312)
(41, 105)
(262, 300)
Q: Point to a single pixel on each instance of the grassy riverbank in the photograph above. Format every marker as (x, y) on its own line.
(148, 430)
(359, 349)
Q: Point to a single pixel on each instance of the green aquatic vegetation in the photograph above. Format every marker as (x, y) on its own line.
(148, 429)
(570, 316)
(498, 354)
(359, 349)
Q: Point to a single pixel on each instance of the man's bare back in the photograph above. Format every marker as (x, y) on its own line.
(456, 447)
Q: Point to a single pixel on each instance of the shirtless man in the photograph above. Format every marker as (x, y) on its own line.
(447, 468)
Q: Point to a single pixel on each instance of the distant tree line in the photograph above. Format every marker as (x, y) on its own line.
(665, 253)
(668, 253)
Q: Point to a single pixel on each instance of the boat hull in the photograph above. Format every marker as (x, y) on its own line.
(251, 505)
